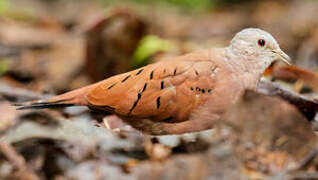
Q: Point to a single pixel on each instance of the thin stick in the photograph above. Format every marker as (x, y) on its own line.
(19, 93)
(305, 105)
(16, 159)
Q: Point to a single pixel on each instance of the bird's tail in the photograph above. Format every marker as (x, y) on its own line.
(72, 98)
(41, 104)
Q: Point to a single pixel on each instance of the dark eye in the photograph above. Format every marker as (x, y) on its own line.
(261, 42)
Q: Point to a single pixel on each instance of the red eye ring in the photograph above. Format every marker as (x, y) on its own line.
(261, 42)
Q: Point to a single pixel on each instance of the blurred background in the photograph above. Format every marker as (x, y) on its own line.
(52, 46)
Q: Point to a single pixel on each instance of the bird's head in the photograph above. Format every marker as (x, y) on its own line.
(258, 45)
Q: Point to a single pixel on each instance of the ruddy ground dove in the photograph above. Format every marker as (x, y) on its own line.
(182, 94)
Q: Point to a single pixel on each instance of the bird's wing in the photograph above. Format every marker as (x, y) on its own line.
(168, 90)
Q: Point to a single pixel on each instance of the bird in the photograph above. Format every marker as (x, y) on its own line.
(182, 94)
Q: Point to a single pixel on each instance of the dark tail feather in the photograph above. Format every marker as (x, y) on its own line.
(72, 98)
(41, 105)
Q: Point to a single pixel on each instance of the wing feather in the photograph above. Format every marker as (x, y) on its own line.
(161, 91)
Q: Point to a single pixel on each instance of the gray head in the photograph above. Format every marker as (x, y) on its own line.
(257, 45)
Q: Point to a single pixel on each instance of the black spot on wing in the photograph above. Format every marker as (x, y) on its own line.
(196, 72)
(158, 102)
(135, 103)
(214, 69)
(127, 77)
(133, 106)
(151, 75)
(111, 86)
(175, 71)
(162, 85)
(144, 88)
(140, 71)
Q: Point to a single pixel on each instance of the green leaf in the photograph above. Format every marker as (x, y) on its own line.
(4, 6)
(5, 66)
(147, 47)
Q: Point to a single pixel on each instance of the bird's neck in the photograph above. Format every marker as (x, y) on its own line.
(245, 67)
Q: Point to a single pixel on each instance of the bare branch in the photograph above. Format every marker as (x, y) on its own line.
(307, 106)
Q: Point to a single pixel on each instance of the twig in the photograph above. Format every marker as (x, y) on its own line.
(307, 106)
(18, 93)
(305, 162)
(9, 152)
(17, 160)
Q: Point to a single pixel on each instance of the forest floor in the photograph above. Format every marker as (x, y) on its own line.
(50, 47)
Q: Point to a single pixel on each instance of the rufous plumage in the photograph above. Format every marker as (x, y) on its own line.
(181, 94)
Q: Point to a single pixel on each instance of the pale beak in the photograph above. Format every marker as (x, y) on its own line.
(282, 56)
